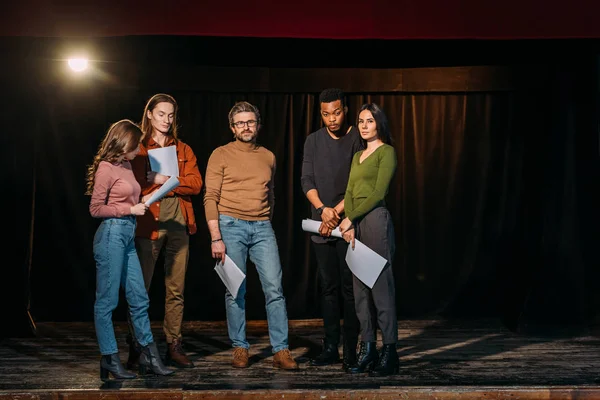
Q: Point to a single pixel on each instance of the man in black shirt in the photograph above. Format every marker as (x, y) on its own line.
(326, 164)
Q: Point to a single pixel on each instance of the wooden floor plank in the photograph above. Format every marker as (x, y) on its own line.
(438, 358)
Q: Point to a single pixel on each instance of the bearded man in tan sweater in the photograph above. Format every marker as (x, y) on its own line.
(239, 203)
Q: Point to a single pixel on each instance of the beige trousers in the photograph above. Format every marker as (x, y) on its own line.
(176, 247)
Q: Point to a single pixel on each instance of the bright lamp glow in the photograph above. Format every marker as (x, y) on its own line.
(78, 64)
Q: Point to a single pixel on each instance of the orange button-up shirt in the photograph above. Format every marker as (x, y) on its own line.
(190, 183)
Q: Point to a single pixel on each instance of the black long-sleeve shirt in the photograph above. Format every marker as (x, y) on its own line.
(326, 166)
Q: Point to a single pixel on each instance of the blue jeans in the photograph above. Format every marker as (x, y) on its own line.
(257, 240)
(117, 265)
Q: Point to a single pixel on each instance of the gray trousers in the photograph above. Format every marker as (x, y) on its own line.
(377, 307)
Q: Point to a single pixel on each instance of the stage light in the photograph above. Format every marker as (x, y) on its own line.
(78, 64)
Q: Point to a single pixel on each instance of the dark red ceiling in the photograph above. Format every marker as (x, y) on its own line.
(334, 19)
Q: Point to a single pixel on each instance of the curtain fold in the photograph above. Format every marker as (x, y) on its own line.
(473, 202)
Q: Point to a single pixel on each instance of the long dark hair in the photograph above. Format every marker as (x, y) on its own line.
(122, 137)
(383, 127)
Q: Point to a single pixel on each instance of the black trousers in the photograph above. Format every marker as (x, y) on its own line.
(337, 293)
(377, 306)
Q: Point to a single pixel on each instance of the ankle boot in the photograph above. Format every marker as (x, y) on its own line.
(134, 353)
(367, 358)
(176, 355)
(389, 363)
(349, 356)
(150, 361)
(328, 356)
(112, 363)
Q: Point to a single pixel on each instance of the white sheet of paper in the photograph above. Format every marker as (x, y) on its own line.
(166, 187)
(231, 275)
(364, 263)
(164, 160)
(310, 225)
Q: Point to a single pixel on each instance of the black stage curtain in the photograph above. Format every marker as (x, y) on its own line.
(485, 202)
(493, 201)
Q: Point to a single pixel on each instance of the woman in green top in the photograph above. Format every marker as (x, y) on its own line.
(370, 176)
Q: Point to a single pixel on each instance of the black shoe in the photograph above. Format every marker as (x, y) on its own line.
(150, 361)
(330, 355)
(367, 358)
(349, 355)
(133, 361)
(389, 364)
(112, 363)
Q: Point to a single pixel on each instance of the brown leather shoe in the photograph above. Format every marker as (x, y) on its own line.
(176, 356)
(283, 359)
(240, 357)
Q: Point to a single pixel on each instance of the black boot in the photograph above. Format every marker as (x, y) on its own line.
(389, 363)
(367, 358)
(330, 355)
(349, 358)
(134, 353)
(150, 361)
(112, 363)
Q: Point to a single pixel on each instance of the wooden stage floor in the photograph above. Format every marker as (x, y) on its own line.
(438, 359)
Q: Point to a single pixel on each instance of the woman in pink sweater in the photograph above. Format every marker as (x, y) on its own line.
(115, 198)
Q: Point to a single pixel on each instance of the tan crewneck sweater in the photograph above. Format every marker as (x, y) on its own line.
(239, 182)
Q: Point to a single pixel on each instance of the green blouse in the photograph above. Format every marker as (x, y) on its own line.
(369, 181)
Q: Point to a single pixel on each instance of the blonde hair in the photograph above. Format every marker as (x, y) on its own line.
(121, 138)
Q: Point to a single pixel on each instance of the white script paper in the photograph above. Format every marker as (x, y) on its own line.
(163, 160)
(310, 225)
(166, 187)
(231, 275)
(364, 263)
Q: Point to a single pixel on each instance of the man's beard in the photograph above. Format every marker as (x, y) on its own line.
(241, 137)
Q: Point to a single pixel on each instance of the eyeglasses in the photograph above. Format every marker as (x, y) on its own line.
(240, 124)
